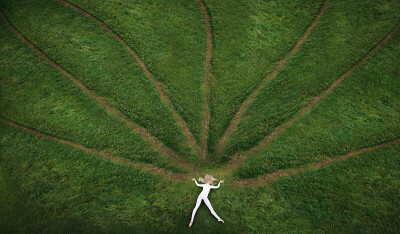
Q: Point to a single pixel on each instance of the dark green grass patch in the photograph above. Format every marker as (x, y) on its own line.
(250, 37)
(66, 189)
(98, 60)
(36, 95)
(170, 37)
(348, 30)
(364, 110)
(14, 218)
(358, 195)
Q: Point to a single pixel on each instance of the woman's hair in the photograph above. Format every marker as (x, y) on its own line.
(208, 179)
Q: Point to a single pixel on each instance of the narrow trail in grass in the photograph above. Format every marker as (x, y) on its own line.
(236, 119)
(310, 166)
(185, 129)
(241, 157)
(145, 167)
(161, 148)
(206, 84)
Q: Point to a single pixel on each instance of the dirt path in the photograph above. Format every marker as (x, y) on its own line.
(237, 161)
(207, 78)
(282, 173)
(141, 131)
(185, 129)
(146, 167)
(236, 119)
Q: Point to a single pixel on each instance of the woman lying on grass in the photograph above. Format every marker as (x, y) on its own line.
(208, 180)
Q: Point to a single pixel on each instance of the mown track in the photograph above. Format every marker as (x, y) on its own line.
(207, 78)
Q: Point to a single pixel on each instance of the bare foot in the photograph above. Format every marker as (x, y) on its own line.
(222, 221)
(190, 224)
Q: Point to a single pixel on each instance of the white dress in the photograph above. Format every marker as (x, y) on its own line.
(203, 196)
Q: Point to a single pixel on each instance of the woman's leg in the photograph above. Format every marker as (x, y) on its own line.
(211, 209)
(196, 207)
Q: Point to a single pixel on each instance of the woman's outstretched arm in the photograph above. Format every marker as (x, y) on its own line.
(200, 185)
(215, 187)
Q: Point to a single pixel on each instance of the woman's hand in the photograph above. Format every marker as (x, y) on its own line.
(194, 179)
(222, 181)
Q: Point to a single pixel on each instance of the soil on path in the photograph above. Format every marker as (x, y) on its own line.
(207, 78)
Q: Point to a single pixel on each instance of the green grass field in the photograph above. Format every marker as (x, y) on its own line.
(103, 115)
